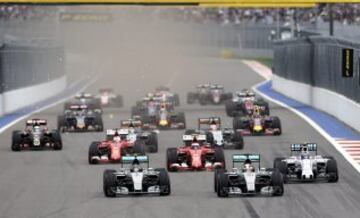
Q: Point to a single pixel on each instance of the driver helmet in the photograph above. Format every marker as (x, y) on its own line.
(136, 166)
(248, 166)
(117, 138)
(213, 125)
(195, 145)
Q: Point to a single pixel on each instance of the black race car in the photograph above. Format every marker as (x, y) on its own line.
(36, 136)
(209, 94)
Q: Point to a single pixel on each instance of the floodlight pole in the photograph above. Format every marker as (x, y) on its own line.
(331, 20)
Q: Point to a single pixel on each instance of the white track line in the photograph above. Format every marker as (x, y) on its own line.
(258, 67)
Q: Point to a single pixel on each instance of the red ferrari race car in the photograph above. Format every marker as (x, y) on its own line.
(116, 145)
(257, 124)
(195, 155)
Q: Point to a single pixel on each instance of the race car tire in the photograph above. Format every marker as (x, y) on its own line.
(276, 123)
(220, 157)
(139, 147)
(99, 125)
(181, 119)
(152, 143)
(203, 100)
(210, 138)
(60, 123)
(283, 169)
(109, 181)
(93, 151)
(226, 96)
(277, 183)
(223, 185)
(277, 162)
(176, 100)
(216, 175)
(238, 140)
(332, 170)
(230, 108)
(190, 98)
(16, 140)
(56, 139)
(164, 182)
(171, 158)
(239, 123)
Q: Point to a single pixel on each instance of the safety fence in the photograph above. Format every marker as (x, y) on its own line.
(325, 62)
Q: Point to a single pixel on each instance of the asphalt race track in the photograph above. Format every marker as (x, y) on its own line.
(60, 184)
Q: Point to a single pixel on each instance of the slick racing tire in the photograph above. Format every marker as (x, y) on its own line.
(16, 141)
(238, 140)
(99, 125)
(276, 123)
(56, 139)
(139, 147)
(230, 108)
(181, 119)
(332, 170)
(282, 167)
(239, 123)
(220, 157)
(223, 185)
(109, 182)
(190, 99)
(164, 182)
(216, 178)
(93, 151)
(277, 183)
(176, 100)
(171, 158)
(152, 143)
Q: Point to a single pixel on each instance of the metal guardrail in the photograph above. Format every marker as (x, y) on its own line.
(319, 61)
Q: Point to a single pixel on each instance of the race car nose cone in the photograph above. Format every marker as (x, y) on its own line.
(163, 122)
(258, 128)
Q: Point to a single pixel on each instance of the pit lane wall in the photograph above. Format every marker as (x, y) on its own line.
(322, 72)
(29, 72)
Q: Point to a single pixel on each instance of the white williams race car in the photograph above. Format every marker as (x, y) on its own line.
(305, 165)
(136, 179)
(248, 179)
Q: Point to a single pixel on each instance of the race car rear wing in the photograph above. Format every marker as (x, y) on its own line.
(126, 123)
(78, 106)
(190, 138)
(208, 121)
(304, 147)
(83, 95)
(131, 159)
(33, 122)
(111, 132)
(242, 158)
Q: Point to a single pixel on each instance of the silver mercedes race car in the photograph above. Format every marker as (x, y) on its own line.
(248, 179)
(305, 165)
(136, 179)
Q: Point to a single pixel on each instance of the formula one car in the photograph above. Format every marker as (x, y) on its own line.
(164, 119)
(208, 94)
(257, 124)
(36, 136)
(136, 179)
(85, 99)
(163, 93)
(195, 155)
(136, 130)
(248, 179)
(118, 143)
(79, 118)
(243, 103)
(305, 165)
(108, 98)
(220, 137)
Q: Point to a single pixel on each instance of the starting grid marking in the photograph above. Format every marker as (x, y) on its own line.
(352, 148)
